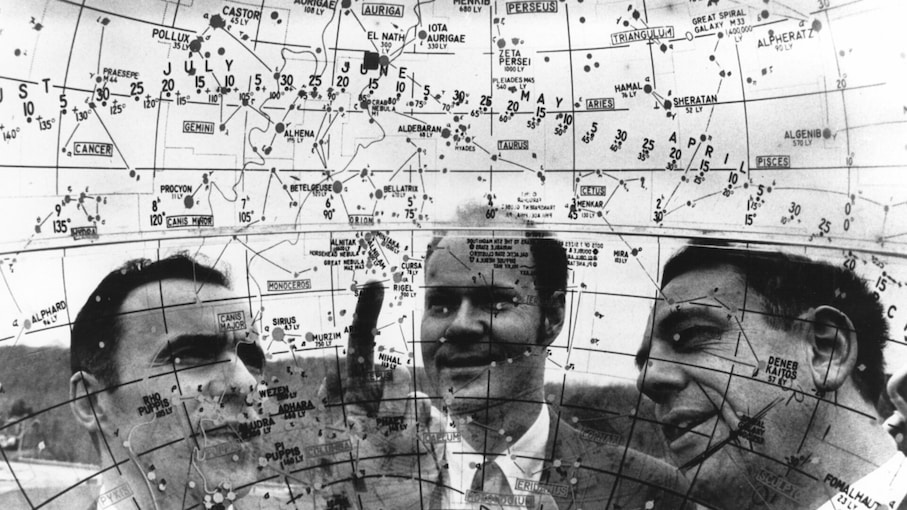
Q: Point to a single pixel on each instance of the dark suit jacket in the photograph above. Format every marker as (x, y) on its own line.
(580, 471)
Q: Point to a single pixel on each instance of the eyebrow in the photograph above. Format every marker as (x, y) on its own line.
(476, 286)
(213, 342)
(674, 316)
(477, 293)
(670, 319)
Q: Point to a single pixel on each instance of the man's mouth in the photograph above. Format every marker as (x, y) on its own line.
(222, 432)
(465, 361)
(676, 425)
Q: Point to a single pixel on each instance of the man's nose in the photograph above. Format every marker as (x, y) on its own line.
(234, 380)
(469, 322)
(660, 376)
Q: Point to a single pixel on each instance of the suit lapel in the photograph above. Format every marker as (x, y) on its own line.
(564, 452)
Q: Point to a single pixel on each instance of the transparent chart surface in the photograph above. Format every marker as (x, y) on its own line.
(458, 254)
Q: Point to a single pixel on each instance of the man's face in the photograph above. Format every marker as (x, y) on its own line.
(199, 351)
(697, 363)
(482, 327)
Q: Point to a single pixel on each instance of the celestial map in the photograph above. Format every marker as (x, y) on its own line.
(453, 254)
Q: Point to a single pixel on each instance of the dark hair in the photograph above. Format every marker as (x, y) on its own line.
(548, 253)
(98, 320)
(791, 284)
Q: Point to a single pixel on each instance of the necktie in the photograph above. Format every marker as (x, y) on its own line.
(487, 479)
(437, 494)
(490, 479)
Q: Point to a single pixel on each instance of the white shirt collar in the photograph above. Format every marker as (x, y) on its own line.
(524, 459)
(887, 485)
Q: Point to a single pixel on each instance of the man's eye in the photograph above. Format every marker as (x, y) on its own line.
(190, 355)
(251, 354)
(440, 306)
(439, 309)
(184, 356)
(500, 304)
(693, 335)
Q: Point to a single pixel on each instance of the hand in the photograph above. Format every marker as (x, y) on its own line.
(896, 424)
(382, 408)
(372, 412)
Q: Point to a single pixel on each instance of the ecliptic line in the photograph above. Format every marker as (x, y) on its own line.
(19, 80)
(490, 113)
(803, 188)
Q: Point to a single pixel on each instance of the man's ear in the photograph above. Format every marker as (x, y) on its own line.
(832, 347)
(85, 408)
(553, 316)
